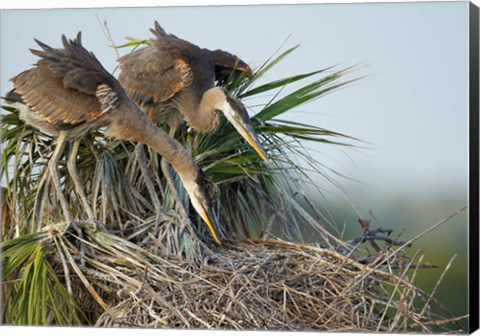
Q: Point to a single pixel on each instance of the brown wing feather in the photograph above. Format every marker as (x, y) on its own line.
(62, 87)
(77, 68)
(150, 77)
(226, 63)
(47, 97)
(160, 33)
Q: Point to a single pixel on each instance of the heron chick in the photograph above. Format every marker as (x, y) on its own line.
(68, 93)
(174, 79)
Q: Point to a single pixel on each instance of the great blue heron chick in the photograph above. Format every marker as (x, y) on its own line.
(68, 93)
(174, 79)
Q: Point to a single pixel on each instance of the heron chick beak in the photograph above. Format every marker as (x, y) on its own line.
(245, 128)
(249, 134)
(207, 217)
(237, 115)
(202, 193)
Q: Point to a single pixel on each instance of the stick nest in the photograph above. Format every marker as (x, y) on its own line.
(253, 284)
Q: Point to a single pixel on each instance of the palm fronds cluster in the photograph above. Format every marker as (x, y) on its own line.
(149, 268)
(250, 191)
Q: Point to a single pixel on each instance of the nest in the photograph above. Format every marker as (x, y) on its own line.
(253, 284)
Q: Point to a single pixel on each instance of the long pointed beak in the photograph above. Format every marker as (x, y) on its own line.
(207, 217)
(248, 133)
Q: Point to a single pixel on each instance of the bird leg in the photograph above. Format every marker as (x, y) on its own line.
(38, 205)
(142, 163)
(73, 171)
(54, 173)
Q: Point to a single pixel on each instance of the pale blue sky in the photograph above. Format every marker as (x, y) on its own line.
(412, 109)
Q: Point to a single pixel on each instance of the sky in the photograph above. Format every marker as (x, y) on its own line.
(411, 110)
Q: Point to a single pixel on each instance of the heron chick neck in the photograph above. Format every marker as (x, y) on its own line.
(206, 118)
(132, 124)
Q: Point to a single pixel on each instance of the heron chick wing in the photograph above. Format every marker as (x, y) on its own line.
(149, 77)
(62, 86)
(47, 96)
(77, 68)
(227, 63)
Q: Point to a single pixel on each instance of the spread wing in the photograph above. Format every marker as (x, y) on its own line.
(149, 75)
(154, 74)
(227, 63)
(62, 87)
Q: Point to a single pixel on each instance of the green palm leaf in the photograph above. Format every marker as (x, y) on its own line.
(33, 293)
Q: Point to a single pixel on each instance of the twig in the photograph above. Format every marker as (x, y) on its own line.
(372, 238)
(430, 229)
(108, 35)
(418, 265)
(440, 279)
(447, 321)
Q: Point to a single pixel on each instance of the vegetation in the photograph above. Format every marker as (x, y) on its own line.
(160, 269)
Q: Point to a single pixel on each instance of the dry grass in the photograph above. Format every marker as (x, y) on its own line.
(253, 284)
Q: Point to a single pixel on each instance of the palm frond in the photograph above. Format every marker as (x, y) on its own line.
(33, 293)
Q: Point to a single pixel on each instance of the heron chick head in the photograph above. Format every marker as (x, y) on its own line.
(203, 194)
